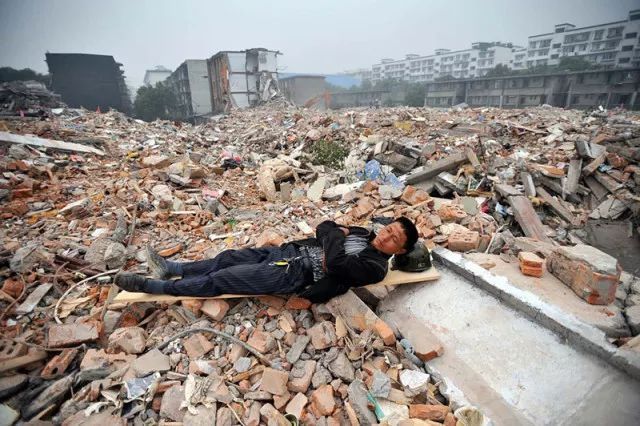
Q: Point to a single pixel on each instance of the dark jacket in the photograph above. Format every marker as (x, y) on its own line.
(343, 271)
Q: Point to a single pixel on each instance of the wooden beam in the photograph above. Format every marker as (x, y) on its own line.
(48, 143)
(527, 218)
(433, 170)
(557, 207)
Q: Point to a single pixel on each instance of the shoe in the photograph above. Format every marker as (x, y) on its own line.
(157, 265)
(130, 282)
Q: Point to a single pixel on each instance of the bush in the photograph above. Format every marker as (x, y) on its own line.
(329, 153)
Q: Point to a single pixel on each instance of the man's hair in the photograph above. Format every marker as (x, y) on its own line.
(410, 231)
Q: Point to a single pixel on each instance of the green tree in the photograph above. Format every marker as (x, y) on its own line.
(12, 74)
(414, 94)
(157, 102)
(574, 63)
(499, 71)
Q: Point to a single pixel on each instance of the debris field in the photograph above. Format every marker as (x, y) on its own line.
(82, 196)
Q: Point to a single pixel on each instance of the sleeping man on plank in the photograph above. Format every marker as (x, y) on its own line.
(317, 269)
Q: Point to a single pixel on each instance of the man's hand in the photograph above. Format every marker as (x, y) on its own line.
(345, 230)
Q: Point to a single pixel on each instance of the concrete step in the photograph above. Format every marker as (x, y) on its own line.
(516, 370)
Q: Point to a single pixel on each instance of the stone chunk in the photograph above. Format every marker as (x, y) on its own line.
(300, 376)
(342, 368)
(262, 341)
(204, 417)
(322, 400)
(633, 318)
(323, 335)
(152, 361)
(170, 406)
(216, 309)
(592, 274)
(61, 335)
(358, 401)
(156, 161)
(274, 381)
(297, 348)
(130, 340)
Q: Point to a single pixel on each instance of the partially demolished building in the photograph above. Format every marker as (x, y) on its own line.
(89, 81)
(240, 79)
(190, 83)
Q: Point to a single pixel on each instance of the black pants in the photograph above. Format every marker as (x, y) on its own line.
(246, 271)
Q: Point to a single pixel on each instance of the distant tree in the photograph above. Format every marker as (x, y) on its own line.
(499, 71)
(12, 74)
(155, 102)
(366, 85)
(574, 63)
(444, 78)
(414, 94)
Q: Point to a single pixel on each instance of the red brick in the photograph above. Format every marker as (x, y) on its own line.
(197, 345)
(531, 271)
(450, 420)
(464, 241)
(61, 335)
(274, 381)
(385, 332)
(297, 303)
(451, 213)
(428, 412)
(13, 287)
(528, 258)
(273, 301)
(215, 308)
(411, 195)
(322, 400)
(59, 363)
(21, 193)
(262, 341)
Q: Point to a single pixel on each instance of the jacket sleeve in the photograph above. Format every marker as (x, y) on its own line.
(324, 290)
(356, 270)
(324, 228)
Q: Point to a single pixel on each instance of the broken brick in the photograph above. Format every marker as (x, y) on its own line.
(61, 335)
(322, 400)
(412, 195)
(274, 381)
(297, 303)
(197, 345)
(385, 332)
(263, 342)
(215, 309)
(463, 241)
(59, 363)
(428, 412)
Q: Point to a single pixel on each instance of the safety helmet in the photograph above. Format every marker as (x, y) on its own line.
(417, 260)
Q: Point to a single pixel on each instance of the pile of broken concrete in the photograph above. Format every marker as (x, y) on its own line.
(473, 180)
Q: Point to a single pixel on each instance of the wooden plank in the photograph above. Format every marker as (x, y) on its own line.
(573, 177)
(596, 187)
(506, 190)
(555, 186)
(472, 157)
(47, 143)
(392, 278)
(555, 205)
(608, 182)
(527, 218)
(527, 181)
(433, 170)
(592, 166)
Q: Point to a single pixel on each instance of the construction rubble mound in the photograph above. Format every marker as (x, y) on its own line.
(82, 194)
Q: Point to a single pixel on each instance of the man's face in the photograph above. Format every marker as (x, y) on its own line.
(391, 239)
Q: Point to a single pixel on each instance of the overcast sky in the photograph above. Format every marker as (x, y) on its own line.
(314, 36)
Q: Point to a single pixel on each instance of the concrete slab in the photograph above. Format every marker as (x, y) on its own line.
(517, 371)
(551, 290)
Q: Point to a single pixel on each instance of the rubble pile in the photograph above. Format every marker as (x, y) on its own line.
(512, 182)
(29, 98)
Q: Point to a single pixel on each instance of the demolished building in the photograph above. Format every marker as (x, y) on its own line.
(89, 81)
(240, 79)
(190, 83)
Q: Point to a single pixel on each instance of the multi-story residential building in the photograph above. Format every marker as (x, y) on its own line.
(468, 63)
(613, 44)
(581, 89)
(156, 75)
(190, 83)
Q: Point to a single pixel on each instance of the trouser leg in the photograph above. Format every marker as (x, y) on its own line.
(254, 279)
(228, 258)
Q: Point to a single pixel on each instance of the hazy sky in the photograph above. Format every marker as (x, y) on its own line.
(314, 36)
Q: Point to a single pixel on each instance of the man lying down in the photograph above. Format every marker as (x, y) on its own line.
(317, 269)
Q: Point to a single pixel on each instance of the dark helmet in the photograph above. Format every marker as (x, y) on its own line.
(417, 260)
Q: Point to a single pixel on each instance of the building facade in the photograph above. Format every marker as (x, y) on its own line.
(613, 44)
(305, 90)
(156, 75)
(240, 79)
(585, 89)
(469, 63)
(190, 83)
(610, 45)
(89, 81)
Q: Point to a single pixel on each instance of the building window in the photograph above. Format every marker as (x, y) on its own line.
(615, 32)
(554, 56)
(598, 35)
(545, 43)
(624, 60)
(631, 35)
(576, 38)
(627, 48)
(557, 45)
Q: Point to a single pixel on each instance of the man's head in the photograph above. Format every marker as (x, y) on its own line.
(396, 238)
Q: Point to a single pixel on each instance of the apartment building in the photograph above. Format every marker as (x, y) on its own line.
(583, 89)
(156, 75)
(190, 83)
(468, 63)
(613, 44)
